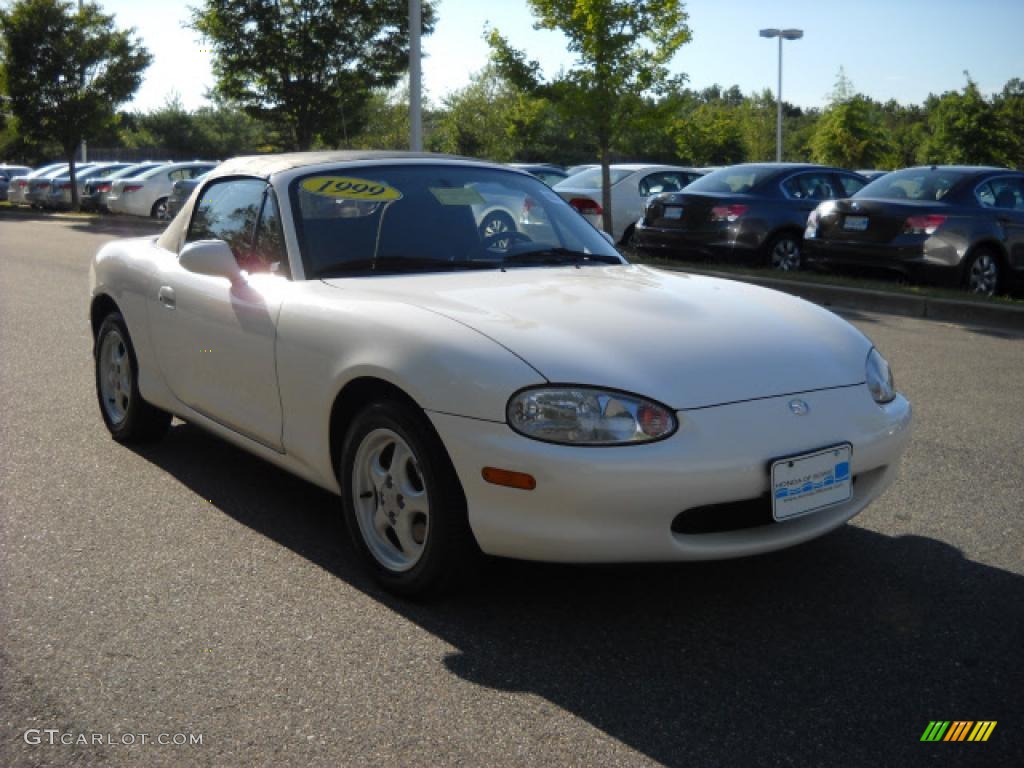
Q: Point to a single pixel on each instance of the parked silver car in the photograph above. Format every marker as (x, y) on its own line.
(59, 197)
(8, 172)
(18, 190)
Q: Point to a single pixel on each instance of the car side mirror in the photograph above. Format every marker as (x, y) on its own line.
(210, 257)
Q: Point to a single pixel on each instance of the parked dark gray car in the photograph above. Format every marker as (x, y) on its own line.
(955, 225)
(756, 212)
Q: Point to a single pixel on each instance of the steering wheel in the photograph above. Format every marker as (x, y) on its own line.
(507, 236)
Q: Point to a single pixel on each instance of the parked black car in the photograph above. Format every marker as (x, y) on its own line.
(181, 190)
(549, 174)
(94, 193)
(756, 212)
(956, 225)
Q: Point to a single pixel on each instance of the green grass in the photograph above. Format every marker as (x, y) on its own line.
(846, 281)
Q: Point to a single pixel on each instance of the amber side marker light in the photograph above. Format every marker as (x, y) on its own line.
(508, 478)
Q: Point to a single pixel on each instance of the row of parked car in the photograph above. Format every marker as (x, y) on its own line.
(959, 226)
(138, 189)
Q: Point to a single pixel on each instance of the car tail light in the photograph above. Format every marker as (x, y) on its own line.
(586, 206)
(22, 184)
(728, 212)
(102, 187)
(66, 185)
(923, 225)
(43, 185)
(132, 188)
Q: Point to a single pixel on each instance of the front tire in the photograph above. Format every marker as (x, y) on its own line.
(404, 507)
(128, 417)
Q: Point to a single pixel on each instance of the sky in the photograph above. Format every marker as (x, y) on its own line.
(889, 49)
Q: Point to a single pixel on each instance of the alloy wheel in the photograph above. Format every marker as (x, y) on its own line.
(786, 254)
(391, 500)
(983, 276)
(115, 376)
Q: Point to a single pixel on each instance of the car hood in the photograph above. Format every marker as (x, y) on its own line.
(688, 341)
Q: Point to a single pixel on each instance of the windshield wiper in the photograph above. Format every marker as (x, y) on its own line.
(389, 265)
(559, 256)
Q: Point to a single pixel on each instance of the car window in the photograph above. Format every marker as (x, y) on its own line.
(736, 179)
(851, 184)
(1005, 192)
(363, 220)
(228, 211)
(591, 179)
(810, 186)
(268, 243)
(180, 173)
(663, 181)
(913, 184)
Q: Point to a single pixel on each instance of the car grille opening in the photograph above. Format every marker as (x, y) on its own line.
(730, 516)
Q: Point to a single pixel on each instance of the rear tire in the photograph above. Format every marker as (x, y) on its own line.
(128, 417)
(984, 273)
(403, 504)
(784, 252)
(159, 210)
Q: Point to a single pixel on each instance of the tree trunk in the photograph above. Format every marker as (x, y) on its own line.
(606, 189)
(75, 204)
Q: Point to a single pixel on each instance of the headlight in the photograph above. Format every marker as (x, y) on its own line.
(879, 377)
(586, 416)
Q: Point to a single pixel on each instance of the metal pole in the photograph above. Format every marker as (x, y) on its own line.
(85, 145)
(415, 116)
(778, 119)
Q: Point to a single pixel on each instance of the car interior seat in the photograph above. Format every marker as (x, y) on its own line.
(1006, 198)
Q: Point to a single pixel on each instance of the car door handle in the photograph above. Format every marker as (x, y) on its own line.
(166, 296)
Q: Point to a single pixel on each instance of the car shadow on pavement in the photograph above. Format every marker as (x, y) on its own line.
(837, 652)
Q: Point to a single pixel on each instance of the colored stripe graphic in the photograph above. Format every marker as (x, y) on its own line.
(958, 730)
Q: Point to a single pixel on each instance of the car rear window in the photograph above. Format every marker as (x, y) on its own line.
(736, 179)
(425, 217)
(913, 184)
(591, 178)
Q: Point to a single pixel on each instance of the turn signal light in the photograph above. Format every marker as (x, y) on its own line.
(508, 478)
(923, 225)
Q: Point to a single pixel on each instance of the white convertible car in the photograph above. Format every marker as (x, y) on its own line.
(529, 395)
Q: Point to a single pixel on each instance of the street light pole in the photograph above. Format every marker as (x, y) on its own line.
(782, 34)
(415, 102)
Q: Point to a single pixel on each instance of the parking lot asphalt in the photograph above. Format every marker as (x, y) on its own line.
(188, 588)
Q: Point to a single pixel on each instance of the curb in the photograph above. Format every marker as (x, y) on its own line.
(138, 222)
(869, 300)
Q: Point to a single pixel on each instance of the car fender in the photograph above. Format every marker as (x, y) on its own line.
(330, 336)
(124, 271)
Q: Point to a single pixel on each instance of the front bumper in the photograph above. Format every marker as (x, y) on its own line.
(619, 504)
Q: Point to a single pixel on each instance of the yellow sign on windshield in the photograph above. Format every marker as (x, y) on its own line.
(349, 188)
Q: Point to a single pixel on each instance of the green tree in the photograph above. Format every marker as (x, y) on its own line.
(757, 121)
(622, 47)
(965, 128)
(308, 67)
(711, 134)
(66, 70)
(850, 133)
(1009, 106)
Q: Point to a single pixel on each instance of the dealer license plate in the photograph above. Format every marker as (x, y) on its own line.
(673, 212)
(855, 223)
(811, 481)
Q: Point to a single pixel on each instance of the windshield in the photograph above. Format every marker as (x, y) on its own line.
(420, 218)
(913, 184)
(735, 179)
(591, 178)
(133, 170)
